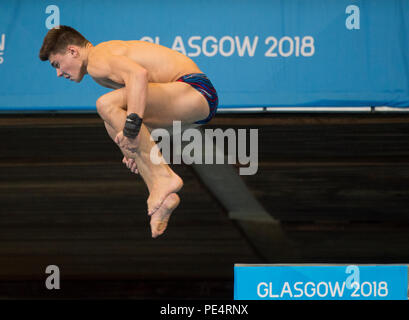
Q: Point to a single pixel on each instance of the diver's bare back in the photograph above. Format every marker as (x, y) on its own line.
(163, 64)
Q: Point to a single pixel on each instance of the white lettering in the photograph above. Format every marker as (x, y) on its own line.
(220, 135)
(336, 289)
(252, 159)
(54, 19)
(265, 290)
(52, 281)
(2, 47)
(177, 142)
(177, 310)
(228, 46)
(271, 295)
(286, 289)
(320, 285)
(155, 155)
(241, 48)
(195, 145)
(221, 46)
(194, 46)
(353, 20)
(298, 289)
(310, 289)
(213, 46)
(160, 153)
(3, 42)
(353, 279)
(312, 293)
(178, 45)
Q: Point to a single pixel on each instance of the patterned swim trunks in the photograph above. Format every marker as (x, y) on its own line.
(201, 83)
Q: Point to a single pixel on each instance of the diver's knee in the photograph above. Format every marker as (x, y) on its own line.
(102, 106)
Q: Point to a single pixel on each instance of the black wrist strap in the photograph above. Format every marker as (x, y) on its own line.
(132, 126)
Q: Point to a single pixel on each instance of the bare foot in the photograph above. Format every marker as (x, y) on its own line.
(161, 189)
(130, 164)
(159, 220)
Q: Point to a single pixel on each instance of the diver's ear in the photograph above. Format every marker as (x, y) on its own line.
(73, 50)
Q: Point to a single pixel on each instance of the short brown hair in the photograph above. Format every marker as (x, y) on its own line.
(57, 40)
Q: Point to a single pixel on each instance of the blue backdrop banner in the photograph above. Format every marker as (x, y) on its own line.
(266, 53)
(321, 282)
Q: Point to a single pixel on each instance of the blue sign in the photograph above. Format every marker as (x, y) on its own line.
(267, 53)
(321, 282)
